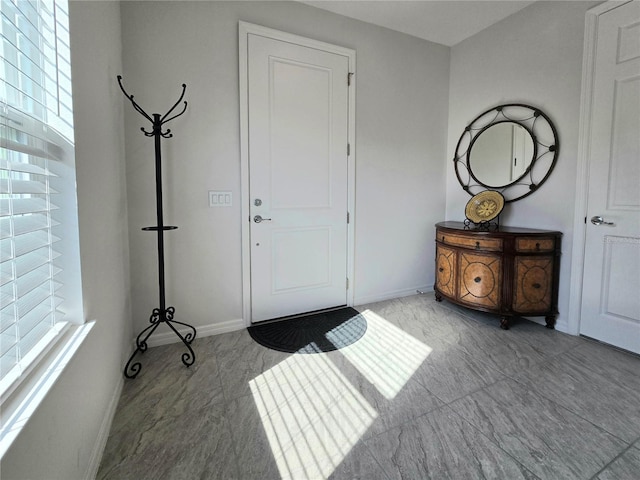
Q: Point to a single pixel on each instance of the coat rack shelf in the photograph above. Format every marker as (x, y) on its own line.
(162, 314)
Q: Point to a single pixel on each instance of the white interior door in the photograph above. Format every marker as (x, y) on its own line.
(298, 189)
(611, 284)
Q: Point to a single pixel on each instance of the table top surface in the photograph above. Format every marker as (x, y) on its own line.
(493, 229)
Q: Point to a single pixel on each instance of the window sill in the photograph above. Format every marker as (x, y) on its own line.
(21, 401)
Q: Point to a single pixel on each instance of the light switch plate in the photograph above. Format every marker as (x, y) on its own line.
(219, 198)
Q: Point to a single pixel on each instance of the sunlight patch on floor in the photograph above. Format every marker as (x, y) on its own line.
(386, 355)
(311, 414)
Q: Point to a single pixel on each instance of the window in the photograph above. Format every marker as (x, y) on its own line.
(40, 291)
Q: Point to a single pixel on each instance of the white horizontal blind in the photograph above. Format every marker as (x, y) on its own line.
(36, 61)
(37, 178)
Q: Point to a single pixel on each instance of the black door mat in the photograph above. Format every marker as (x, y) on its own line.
(314, 333)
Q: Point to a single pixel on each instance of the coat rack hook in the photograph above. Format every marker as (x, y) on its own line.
(162, 120)
(138, 108)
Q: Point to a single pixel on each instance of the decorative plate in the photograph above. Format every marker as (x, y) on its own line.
(484, 206)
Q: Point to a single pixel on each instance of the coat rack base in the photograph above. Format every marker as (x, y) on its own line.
(159, 316)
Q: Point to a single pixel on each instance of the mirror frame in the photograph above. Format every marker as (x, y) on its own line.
(532, 120)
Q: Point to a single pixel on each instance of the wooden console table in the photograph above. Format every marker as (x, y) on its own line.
(507, 271)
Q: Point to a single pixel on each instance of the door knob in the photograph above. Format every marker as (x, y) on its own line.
(598, 220)
(258, 219)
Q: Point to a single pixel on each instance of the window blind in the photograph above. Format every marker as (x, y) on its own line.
(37, 179)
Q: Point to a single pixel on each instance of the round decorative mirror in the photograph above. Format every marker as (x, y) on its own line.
(511, 149)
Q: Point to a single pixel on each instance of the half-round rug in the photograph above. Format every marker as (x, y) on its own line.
(314, 333)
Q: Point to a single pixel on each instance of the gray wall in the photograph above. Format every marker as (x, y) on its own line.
(402, 92)
(401, 117)
(532, 57)
(65, 432)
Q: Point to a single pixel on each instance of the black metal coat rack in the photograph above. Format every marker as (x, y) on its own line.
(162, 314)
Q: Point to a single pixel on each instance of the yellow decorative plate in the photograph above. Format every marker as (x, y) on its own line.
(484, 206)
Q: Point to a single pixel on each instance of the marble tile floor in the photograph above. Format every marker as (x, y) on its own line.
(431, 391)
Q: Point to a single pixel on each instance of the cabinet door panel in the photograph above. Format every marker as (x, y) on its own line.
(533, 284)
(446, 271)
(480, 279)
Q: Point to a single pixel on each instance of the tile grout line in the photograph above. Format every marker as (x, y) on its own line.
(613, 460)
(464, 420)
(445, 406)
(569, 408)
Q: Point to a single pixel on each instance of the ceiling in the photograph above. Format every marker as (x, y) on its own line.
(447, 22)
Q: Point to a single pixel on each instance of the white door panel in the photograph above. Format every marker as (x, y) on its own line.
(611, 282)
(298, 99)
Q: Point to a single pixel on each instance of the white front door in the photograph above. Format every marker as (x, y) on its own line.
(298, 102)
(611, 283)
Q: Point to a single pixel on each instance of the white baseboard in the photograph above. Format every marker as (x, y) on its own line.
(560, 326)
(563, 326)
(379, 297)
(167, 338)
(103, 433)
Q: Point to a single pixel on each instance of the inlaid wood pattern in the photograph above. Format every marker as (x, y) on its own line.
(533, 280)
(446, 266)
(492, 244)
(535, 244)
(508, 271)
(480, 279)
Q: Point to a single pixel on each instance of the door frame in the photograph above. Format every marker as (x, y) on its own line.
(244, 29)
(592, 18)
